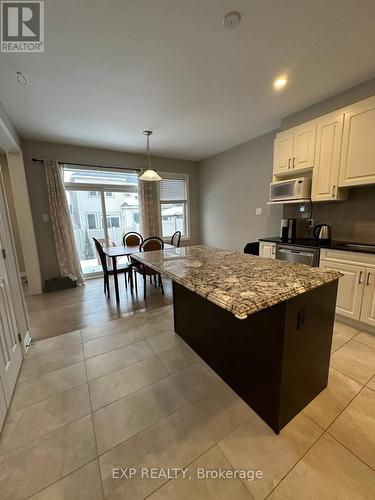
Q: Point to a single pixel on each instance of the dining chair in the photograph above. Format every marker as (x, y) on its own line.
(175, 240)
(132, 238)
(148, 245)
(125, 269)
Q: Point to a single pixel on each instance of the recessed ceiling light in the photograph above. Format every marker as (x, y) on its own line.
(231, 20)
(280, 82)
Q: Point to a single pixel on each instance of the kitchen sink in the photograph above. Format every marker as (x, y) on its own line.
(357, 247)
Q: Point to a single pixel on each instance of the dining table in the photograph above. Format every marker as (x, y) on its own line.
(113, 252)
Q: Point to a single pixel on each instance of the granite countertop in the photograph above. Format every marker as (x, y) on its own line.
(242, 284)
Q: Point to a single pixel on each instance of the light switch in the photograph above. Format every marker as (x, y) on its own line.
(45, 217)
(258, 211)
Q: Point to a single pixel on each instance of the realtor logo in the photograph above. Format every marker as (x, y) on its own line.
(22, 26)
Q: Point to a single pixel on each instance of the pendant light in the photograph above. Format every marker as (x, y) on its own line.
(149, 174)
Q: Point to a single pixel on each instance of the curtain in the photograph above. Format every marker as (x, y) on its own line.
(149, 226)
(67, 255)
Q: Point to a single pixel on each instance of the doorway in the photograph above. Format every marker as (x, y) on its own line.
(103, 204)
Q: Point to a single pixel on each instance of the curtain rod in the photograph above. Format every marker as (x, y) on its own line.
(88, 165)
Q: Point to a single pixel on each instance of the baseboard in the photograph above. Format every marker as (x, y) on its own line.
(354, 323)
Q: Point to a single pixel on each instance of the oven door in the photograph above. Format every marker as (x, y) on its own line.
(298, 255)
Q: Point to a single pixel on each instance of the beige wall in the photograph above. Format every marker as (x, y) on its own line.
(12, 212)
(232, 184)
(63, 152)
(345, 98)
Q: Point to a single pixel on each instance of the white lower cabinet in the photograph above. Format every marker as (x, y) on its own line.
(350, 291)
(368, 304)
(267, 249)
(356, 291)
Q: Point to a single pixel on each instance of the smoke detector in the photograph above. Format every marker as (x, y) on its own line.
(231, 20)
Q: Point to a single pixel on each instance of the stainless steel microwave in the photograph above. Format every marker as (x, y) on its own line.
(291, 189)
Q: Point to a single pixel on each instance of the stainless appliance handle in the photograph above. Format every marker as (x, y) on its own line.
(284, 250)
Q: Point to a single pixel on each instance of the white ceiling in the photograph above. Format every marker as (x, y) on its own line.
(113, 68)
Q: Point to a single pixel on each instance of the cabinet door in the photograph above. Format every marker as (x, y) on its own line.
(368, 305)
(357, 166)
(327, 157)
(350, 290)
(283, 152)
(304, 146)
(267, 250)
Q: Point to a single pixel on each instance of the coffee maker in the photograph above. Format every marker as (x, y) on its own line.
(288, 229)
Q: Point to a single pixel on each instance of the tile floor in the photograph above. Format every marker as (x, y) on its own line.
(130, 393)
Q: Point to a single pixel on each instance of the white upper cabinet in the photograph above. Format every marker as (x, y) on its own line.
(283, 152)
(294, 149)
(357, 166)
(304, 146)
(327, 158)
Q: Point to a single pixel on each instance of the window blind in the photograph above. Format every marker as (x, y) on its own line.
(173, 190)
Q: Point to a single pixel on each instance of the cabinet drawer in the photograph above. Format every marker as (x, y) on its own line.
(355, 258)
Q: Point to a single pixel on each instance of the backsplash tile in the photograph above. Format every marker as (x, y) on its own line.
(351, 220)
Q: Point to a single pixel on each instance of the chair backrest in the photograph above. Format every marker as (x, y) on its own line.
(132, 238)
(101, 254)
(152, 243)
(175, 240)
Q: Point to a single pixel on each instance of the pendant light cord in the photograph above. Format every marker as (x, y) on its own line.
(148, 151)
(147, 134)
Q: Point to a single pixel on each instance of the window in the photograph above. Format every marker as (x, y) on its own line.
(174, 205)
(104, 205)
(95, 194)
(92, 221)
(113, 221)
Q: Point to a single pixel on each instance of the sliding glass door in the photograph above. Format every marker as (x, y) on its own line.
(103, 205)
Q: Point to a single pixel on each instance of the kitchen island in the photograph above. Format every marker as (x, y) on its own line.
(265, 326)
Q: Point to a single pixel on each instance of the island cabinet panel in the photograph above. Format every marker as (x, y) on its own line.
(276, 360)
(308, 330)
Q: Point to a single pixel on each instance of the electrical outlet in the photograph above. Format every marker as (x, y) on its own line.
(258, 211)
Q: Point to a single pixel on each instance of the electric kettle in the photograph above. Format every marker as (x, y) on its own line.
(323, 233)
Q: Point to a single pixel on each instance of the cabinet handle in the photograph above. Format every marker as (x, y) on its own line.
(289, 164)
(294, 160)
(368, 279)
(360, 278)
(333, 191)
(273, 250)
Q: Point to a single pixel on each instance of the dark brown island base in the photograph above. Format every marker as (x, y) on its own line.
(265, 326)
